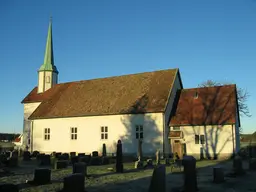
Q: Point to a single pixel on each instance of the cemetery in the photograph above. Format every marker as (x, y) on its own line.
(100, 172)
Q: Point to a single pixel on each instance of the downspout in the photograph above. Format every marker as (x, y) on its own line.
(233, 139)
(31, 136)
(164, 135)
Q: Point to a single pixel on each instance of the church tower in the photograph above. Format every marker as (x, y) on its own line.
(48, 73)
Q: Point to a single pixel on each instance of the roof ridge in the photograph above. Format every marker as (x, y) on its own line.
(116, 76)
(228, 85)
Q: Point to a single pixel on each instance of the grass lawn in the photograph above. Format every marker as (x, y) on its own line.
(101, 179)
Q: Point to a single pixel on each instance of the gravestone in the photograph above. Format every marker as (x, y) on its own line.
(238, 165)
(74, 159)
(8, 187)
(95, 161)
(158, 180)
(252, 164)
(190, 176)
(26, 156)
(74, 182)
(119, 157)
(104, 150)
(35, 153)
(80, 168)
(45, 160)
(105, 160)
(81, 154)
(61, 164)
(65, 156)
(72, 154)
(218, 175)
(57, 155)
(41, 177)
(95, 154)
(158, 157)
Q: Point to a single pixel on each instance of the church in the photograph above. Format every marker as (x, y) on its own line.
(152, 107)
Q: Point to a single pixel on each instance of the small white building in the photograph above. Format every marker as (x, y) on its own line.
(81, 116)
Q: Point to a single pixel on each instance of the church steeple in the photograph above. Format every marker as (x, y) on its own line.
(48, 64)
(47, 73)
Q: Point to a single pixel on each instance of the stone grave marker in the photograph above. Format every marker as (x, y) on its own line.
(95, 154)
(252, 164)
(158, 180)
(119, 157)
(8, 187)
(72, 154)
(80, 168)
(74, 182)
(190, 176)
(218, 175)
(26, 156)
(61, 164)
(41, 177)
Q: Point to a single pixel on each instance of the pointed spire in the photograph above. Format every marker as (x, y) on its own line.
(48, 64)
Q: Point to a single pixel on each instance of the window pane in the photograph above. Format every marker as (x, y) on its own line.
(137, 128)
(48, 137)
(75, 129)
(45, 137)
(48, 130)
(202, 140)
(75, 136)
(102, 129)
(106, 136)
(102, 136)
(141, 128)
(141, 135)
(106, 129)
(196, 139)
(71, 136)
(72, 130)
(137, 135)
(45, 130)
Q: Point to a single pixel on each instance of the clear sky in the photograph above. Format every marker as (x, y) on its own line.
(205, 39)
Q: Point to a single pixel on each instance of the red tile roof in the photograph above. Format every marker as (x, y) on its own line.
(136, 93)
(213, 106)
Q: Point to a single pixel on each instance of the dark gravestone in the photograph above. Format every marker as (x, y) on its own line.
(41, 177)
(80, 168)
(13, 162)
(35, 153)
(81, 154)
(65, 156)
(158, 181)
(74, 183)
(119, 157)
(72, 154)
(74, 159)
(9, 188)
(104, 150)
(46, 160)
(105, 160)
(57, 155)
(95, 161)
(61, 164)
(26, 156)
(252, 164)
(218, 175)
(190, 176)
(95, 154)
(238, 165)
(86, 159)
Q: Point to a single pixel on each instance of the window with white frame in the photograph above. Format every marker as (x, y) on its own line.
(199, 139)
(73, 131)
(47, 134)
(104, 132)
(139, 131)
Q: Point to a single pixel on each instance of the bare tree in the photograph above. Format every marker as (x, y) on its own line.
(242, 96)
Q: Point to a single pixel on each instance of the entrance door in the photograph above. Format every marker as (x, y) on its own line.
(177, 148)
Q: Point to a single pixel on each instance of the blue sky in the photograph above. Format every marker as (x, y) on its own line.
(213, 39)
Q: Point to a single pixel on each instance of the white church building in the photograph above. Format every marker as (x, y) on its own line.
(153, 106)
